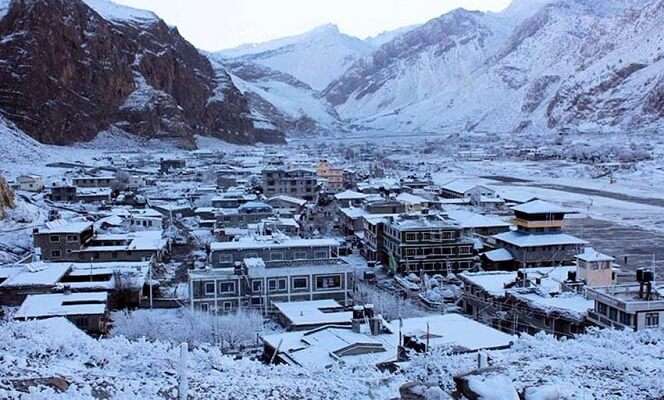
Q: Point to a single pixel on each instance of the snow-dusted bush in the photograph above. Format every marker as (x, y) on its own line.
(390, 306)
(183, 325)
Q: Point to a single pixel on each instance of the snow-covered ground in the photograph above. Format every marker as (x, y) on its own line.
(628, 366)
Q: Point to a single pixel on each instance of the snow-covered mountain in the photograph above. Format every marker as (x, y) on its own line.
(279, 101)
(539, 65)
(316, 57)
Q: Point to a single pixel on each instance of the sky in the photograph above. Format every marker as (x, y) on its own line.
(221, 24)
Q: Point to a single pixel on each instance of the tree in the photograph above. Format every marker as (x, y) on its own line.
(121, 182)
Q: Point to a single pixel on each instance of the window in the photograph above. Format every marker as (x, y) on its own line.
(652, 320)
(464, 250)
(257, 286)
(411, 252)
(321, 255)
(448, 235)
(328, 282)
(55, 253)
(411, 237)
(72, 238)
(226, 258)
(625, 318)
(228, 305)
(300, 283)
(301, 255)
(277, 256)
(114, 254)
(426, 236)
(276, 284)
(613, 314)
(447, 250)
(55, 238)
(205, 307)
(209, 288)
(226, 287)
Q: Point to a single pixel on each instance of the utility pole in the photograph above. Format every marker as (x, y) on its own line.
(183, 382)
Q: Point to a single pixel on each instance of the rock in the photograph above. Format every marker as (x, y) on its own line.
(57, 383)
(486, 384)
(7, 197)
(547, 392)
(73, 73)
(420, 391)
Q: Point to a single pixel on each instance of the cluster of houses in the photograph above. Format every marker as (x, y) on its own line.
(238, 231)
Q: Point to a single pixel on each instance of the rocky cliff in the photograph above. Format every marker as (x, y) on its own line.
(72, 68)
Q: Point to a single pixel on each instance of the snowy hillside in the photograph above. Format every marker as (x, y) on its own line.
(542, 65)
(111, 11)
(316, 57)
(628, 367)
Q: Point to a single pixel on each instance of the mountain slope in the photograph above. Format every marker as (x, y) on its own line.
(540, 65)
(72, 68)
(315, 58)
(281, 102)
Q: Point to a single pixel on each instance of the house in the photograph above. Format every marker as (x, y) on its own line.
(168, 165)
(93, 195)
(413, 203)
(333, 177)
(426, 243)
(248, 213)
(93, 181)
(30, 183)
(530, 300)
(19, 281)
(595, 269)
(294, 204)
(258, 284)
(295, 182)
(370, 340)
(62, 192)
(635, 306)
(58, 239)
(349, 198)
(88, 311)
(305, 315)
(273, 250)
(467, 189)
(538, 239)
(232, 199)
(132, 246)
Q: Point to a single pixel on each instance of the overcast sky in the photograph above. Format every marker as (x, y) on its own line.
(221, 24)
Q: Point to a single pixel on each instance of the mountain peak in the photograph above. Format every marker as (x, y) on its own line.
(325, 29)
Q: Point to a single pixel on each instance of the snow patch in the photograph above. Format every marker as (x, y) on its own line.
(111, 11)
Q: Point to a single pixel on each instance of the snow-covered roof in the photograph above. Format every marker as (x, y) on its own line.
(289, 199)
(571, 304)
(61, 304)
(591, 255)
(467, 219)
(62, 226)
(309, 312)
(538, 239)
(462, 185)
(37, 274)
(350, 195)
(257, 244)
(541, 207)
(499, 255)
(491, 282)
(411, 199)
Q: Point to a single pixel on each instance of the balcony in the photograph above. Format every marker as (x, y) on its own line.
(538, 224)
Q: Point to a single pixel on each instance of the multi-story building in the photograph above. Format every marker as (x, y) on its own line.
(93, 181)
(538, 240)
(59, 239)
(273, 251)
(296, 182)
(635, 306)
(256, 284)
(248, 213)
(333, 177)
(426, 243)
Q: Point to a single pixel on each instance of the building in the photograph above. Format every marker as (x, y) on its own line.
(305, 315)
(63, 192)
(426, 243)
(467, 189)
(273, 251)
(370, 340)
(30, 183)
(254, 283)
(333, 177)
(530, 300)
(283, 202)
(88, 311)
(537, 241)
(168, 165)
(93, 181)
(595, 269)
(295, 182)
(635, 306)
(349, 198)
(59, 239)
(251, 212)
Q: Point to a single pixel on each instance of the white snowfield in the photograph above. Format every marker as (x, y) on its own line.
(111, 11)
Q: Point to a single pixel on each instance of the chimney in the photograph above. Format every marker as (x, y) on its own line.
(358, 316)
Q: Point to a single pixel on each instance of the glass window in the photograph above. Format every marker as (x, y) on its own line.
(55, 253)
(257, 286)
(411, 237)
(328, 282)
(55, 238)
(226, 287)
(209, 288)
(300, 283)
(652, 320)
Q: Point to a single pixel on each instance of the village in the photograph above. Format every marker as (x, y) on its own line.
(315, 256)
